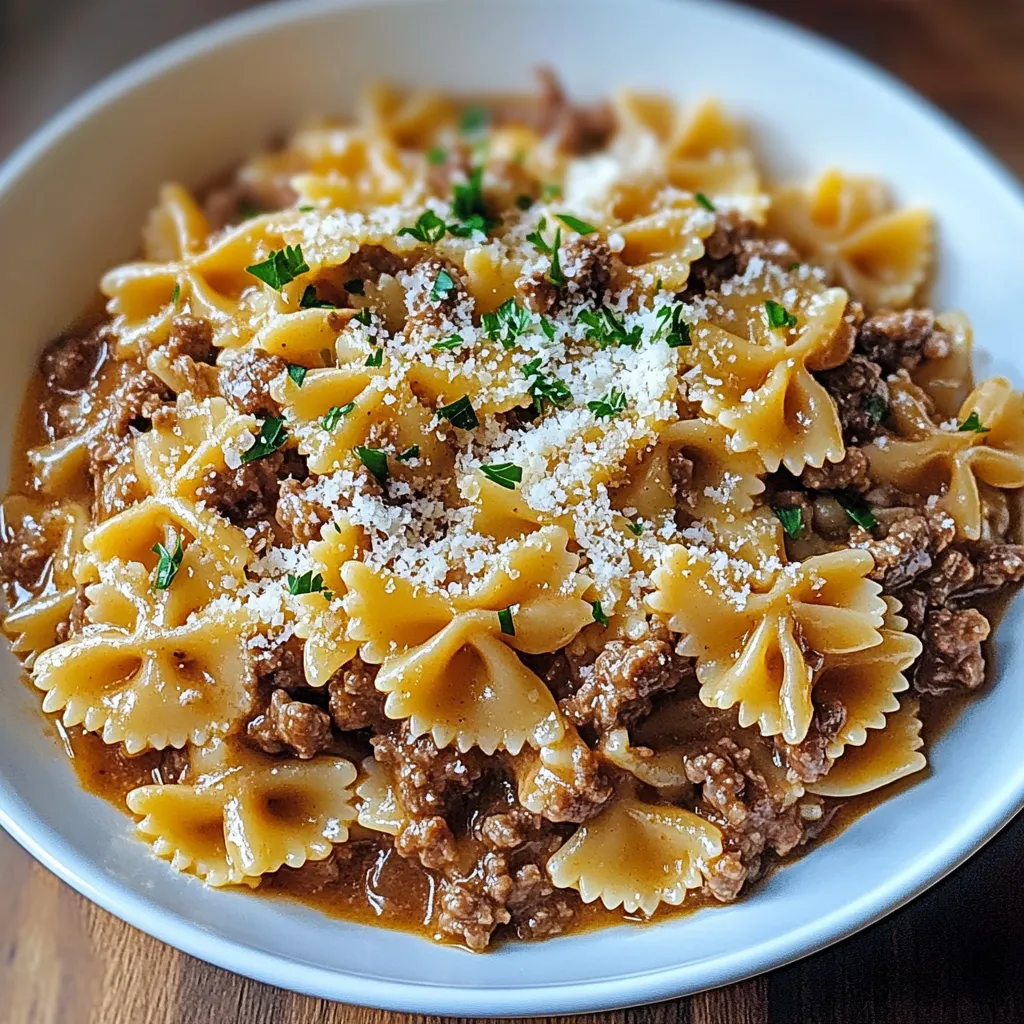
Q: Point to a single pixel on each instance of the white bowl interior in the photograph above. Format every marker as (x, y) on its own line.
(71, 204)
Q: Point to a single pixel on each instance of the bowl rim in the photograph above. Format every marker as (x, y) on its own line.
(84, 875)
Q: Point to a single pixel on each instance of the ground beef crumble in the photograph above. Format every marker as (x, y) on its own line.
(287, 724)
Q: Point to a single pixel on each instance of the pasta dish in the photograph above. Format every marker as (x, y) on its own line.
(479, 514)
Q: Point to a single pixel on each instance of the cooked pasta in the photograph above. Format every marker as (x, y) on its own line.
(492, 516)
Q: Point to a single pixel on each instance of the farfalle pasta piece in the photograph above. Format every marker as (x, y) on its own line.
(719, 477)
(320, 618)
(637, 855)
(756, 379)
(138, 677)
(246, 814)
(750, 644)
(848, 224)
(379, 806)
(449, 664)
(949, 380)
(886, 756)
(662, 244)
(984, 445)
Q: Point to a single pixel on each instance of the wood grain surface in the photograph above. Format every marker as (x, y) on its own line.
(952, 957)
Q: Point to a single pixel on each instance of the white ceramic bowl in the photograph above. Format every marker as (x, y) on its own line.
(71, 204)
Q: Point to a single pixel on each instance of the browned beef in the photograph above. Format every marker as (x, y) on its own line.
(586, 264)
(25, 549)
(850, 474)
(355, 703)
(300, 516)
(902, 340)
(245, 382)
(808, 759)
(70, 364)
(952, 658)
(286, 724)
(908, 543)
(861, 397)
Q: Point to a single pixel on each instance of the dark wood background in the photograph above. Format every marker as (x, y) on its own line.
(953, 957)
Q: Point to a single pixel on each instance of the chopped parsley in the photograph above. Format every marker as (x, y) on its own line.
(375, 358)
(792, 520)
(506, 474)
(876, 407)
(778, 315)
(437, 155)
(272, 436)
(581, 227)
(310, 300)
(604, 328)
(280, 267)
(672, 327)
(548, 328)
(335, 414)
(297, 373)
(168, 563)
(474, 120)
(555, 275)
(599, 615)
(524, 202)
(635, 527)
(375, 460)
(550, 191)
(306, 583)
(506, 323)
(444, 283)
(544, 389)
(508, 626)
(451, 342)
(468, 205)
(355, 287)
(176, 294)
(536, 239)
(306, 208)
(972, 423)
(428, 228)
(459, 413)
(857, 509)
(364, 316)
(408, 454)
(702, 200)
(246, 211)
(608, 407)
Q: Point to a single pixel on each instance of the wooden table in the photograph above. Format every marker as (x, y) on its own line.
(953, 957)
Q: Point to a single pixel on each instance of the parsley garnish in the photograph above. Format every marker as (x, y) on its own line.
(334, 415)
(475, 223)
(604, 328)
(702, 200)
(555, 275)
(795, 265)
(375, 358)
(412, 452)
(297, 374)
(459, 413)
(168, 564)
(506, 474)
(778, 315)
(506, 323)
(608, 407)
(364, 316)
(246, 211)
(437, 155)
(176, 294)
(508, 626)
(548, 328)
(544, 388)
(877, 408)
(857, 509)
(428, 228)
(599, 615)
(272, 436)
(524, 202)
(306, 583)
(792, 520)
(551, 191)
(635, 528)
(309, 300)
(474, 120)
(468, 204)
(972, 423)
(677, 334)
(280, 267)
(355, 287)
(306, 208)
(452, 341)
(443, 284)
(579, 226)
(375, 460)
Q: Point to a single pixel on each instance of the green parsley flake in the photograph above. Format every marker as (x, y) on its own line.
(792, 520)
(604, 328)
(437, 155)
(306, 583)
(410, 453)
(444, 283)
(168, 563)
(176, 294)
(429, 228)
(857, 509)
(876, 407)
(672, 327)
(551, 191)
(459, 413)
(608, 407)
(544, 389)
(599, 615)
(555, 275)
(306, 208)
(505, 474)
(468, 205)
(581, 227)
(375, 358)
(972, 423)
(451, 342)
(548, 328)
(506, 323)
(335, 414)
(272, 436)
(364, 316)
(508, 626)
(280, 267)
(355, 287)
(702, 200)
(309, 300)
(778, 315)
(635, 527)
(474, 120)
(375, 460)
(297, 374)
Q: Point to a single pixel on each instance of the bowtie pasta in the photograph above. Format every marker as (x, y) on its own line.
(496, 516)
